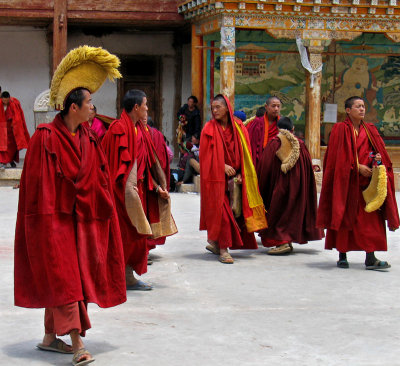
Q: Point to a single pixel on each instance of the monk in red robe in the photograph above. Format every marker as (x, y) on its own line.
(162, 153)
(96, 124)
(225, 162)
(262, 130)
(14, 135)
(287, 186)
(68, 248)
(354, 148)
(140, 186)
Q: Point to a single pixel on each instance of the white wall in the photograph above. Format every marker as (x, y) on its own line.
(24, 66)
(187, 73)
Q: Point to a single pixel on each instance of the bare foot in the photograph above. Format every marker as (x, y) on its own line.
(49, 339)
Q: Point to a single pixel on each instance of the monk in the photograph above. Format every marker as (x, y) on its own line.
(287, 186)
(262, 130)
(68, 248)
(227, 174)
(163, 155)
(14, 135)
(140, 186)
(354, 148)
(95, 124)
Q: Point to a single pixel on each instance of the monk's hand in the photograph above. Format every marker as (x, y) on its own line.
(239, 179)
(136, 189)
(365, 171)
(163, 193)
(229, 171)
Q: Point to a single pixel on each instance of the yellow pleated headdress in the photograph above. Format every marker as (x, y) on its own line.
(83, 67)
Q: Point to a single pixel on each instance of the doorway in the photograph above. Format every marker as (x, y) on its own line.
(143, 73)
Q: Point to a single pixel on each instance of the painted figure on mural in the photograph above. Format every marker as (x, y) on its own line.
(14, 135)
(359, 81)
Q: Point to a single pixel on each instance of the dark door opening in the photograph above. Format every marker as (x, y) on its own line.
(144, 73)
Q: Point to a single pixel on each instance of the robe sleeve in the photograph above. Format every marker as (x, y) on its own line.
(340, 180)
(45, 235)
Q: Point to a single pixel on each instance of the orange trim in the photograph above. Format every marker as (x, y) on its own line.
(266, 130)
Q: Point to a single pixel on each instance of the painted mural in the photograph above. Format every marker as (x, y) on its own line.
(367, 66)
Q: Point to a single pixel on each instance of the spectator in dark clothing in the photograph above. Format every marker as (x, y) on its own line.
(189, 118)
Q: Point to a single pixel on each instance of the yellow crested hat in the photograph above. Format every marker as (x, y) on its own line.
(83, 67)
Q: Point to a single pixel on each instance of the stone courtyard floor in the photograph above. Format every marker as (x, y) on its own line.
(294, 310)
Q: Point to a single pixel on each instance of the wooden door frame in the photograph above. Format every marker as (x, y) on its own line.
(157, 79)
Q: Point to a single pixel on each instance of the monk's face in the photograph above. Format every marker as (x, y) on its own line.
(219, 110)
(92, 113)
(5, 101)
(141, 110)
(357, 110)
(273, 109)
(83, 112)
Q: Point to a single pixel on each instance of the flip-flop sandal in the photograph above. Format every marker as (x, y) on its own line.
(342, 263)
(139, 286)
(78, 354)
(379, 266)
(58, 345)
(226, 259)
(212, 249)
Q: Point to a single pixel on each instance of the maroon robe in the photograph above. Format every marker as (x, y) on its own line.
(341, 208)
(260, 132)
(290, 199)
(121, 148)
(126, 145)
(14, 135)
(162, 154)
(67, 241)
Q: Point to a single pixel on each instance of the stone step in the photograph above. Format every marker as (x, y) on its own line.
(10, 176)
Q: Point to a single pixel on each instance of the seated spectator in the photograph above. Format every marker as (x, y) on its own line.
(189, 120)
(185, 153)
(192, 167)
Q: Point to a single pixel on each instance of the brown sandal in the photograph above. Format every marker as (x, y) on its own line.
(226, 259)
(79, 360)
(58, 345)
(213, 249)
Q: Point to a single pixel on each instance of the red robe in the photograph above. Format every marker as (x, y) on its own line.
(67, 242)
(260, 132)
(162, 154)
(341, 207)
(290, 199)
(14, 135)
(130, 150)
(217, 148)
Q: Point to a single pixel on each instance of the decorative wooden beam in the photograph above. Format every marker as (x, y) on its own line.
(227, 64)
(313, 105)
(59, 32)
(197, 67)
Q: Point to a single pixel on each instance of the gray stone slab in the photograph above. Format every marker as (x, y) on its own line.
(289, 311)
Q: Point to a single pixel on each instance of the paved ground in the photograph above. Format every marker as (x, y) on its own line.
(295, 310)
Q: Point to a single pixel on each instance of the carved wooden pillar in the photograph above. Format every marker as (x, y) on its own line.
(313, 104)
(227, 65)
(197, 66)
(59, 32)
